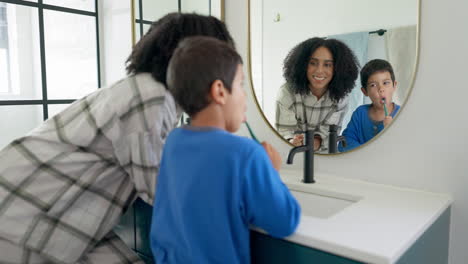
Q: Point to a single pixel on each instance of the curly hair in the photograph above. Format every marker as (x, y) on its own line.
(345, 67)
(154, 50)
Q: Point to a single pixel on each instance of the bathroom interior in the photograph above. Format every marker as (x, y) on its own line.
(399, 198)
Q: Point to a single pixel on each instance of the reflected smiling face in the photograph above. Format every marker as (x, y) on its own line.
(320, 70)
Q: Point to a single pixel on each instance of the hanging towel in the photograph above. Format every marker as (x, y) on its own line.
(358, 43)
(401, 53)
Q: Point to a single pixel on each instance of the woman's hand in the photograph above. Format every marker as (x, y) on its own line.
(297, 140)
(273, 154)
(317, 142)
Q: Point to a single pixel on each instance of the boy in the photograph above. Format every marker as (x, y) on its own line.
(378, 83)
(212, 184)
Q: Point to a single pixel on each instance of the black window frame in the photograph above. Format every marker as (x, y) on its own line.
(45, 102)
(140, 21)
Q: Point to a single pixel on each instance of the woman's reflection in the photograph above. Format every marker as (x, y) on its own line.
(319, 75)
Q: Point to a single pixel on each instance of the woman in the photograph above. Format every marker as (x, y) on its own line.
(64, 186)
(319, 74)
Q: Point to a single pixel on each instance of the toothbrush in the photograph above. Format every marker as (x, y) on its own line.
(385, 106)
(251, 132)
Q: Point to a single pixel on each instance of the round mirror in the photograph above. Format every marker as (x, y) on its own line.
(342, 69)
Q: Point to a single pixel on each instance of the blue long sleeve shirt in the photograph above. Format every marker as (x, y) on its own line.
(361, 128)
(211, 186)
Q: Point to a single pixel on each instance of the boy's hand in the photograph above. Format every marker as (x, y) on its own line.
(273, 154)
(297, 140)
(387, 120)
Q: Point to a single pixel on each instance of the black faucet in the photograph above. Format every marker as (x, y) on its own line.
(308, 149)
(334, 139)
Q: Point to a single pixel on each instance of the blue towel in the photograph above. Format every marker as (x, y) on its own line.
(358, 43)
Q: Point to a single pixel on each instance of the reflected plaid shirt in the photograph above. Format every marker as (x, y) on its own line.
(296, 113)
(64, 186)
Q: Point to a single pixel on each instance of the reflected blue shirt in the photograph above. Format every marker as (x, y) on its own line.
(361, 128)
(211, 186)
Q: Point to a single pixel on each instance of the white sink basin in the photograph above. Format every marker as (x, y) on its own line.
(321, 199)
(320, 206)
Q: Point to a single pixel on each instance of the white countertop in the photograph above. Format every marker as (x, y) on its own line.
(378, 228)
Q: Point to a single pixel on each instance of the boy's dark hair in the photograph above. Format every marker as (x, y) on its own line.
(345, 67)
(153, 52)
(196, 64)
(373, 66)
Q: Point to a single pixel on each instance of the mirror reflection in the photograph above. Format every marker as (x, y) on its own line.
(147, 11)
(318, 66)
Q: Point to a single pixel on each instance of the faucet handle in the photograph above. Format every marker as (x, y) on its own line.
(332, 138)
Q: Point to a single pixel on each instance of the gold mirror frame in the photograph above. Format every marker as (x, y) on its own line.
(132, 21)
(249, 55)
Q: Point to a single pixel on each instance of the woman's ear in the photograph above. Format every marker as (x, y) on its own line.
(218, 92)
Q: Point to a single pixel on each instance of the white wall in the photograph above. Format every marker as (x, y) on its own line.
(303, 19)
(426, 147)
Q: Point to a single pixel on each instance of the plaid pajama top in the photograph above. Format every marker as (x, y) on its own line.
(296, 113)
(64, 185)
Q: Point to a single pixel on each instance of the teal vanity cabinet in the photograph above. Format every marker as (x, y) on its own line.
(134, 229)
(430, 248)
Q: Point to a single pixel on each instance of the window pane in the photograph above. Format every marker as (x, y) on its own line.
(56, 108)
(20, 119)
(4, 72)
(201, 7)
(146, 27)
(216, 8)
(138, 35)
(71, 56)
(136, 27)
(20, 64)
(87, 5)
(155, 9)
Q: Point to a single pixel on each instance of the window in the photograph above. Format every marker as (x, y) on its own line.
(147, 11)
(5, 81)
(49, 57)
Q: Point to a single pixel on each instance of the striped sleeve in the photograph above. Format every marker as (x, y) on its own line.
(285, 118)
